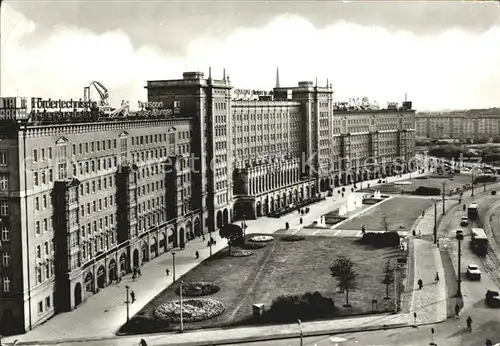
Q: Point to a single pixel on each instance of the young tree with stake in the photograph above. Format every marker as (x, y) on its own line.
(343, 270)
(388, 278)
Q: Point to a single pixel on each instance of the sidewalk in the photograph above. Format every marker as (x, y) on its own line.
(102, 314)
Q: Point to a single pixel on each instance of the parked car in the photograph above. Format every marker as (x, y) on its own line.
(492, 299)
(464, 221)
(473, 272)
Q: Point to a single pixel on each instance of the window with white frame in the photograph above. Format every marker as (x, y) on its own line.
(3, 158)
(5, 234)
(6, 284)
(4, 182)
(4, 208)
(5, 258)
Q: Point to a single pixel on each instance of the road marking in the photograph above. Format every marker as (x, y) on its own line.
(319, 230)
(338, 231)
(296, 231)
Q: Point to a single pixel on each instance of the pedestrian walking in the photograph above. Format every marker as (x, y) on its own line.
(132, 295)
(363, 229)
(139, 274)
(143, 343)
(197, 254)
(488, 342)
(414, 233)
(167, 271)
(469, 324)
(437, 277)
(457, 311)
(300, 221)
(208, 243)
(420, 284)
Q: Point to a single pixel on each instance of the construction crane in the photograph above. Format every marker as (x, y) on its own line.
(101, 89)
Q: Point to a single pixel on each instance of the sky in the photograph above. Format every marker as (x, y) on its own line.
(443, 55)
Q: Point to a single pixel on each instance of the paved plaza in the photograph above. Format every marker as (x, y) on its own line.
(102, 314)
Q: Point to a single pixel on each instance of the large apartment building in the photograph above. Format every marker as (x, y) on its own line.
(84, 199)
(469, 124)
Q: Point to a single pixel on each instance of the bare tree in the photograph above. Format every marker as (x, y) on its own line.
(343, 270)
(388, 278)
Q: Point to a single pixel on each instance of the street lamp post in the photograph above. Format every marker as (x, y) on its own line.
(173, 266)
(210, 241)
(182, 322)
(301, 334)
(460, 237)
(435, 222)
(127, 302)
(444, 197)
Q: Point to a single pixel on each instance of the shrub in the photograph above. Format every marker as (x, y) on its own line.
(380, 240)
(241, 253)
(293, 237)
(289, 308)
(253, 246)
(427, 191)
(196, 289)
(493, 192)
(143, 324)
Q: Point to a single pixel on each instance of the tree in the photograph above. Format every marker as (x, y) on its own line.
(343, 270)
(233, 234)
(388, 278)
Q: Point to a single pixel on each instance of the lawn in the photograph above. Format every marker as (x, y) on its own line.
(282, 267)
(400, 214)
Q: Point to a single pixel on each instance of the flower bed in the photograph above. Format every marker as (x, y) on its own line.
(196, 289)
(253, 246)
(192, 310)
(241, 253)
(261, 238)
(293, 237)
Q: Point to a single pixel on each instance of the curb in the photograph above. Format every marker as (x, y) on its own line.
(233, 340)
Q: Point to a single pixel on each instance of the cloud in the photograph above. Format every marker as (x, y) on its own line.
(455, 69)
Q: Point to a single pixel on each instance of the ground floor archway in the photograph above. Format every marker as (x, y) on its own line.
(78, 294)
(89, 282)
(136, 262)
(225, 217)
(112, 273)
(219, 219)
(101, 277)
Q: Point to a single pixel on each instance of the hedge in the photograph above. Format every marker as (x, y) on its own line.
(308, 306)
(427, 191)
(380, 240)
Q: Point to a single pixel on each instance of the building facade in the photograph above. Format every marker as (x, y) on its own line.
(86, 200)
(469, 124)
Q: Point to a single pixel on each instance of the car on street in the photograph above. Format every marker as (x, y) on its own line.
(492, 299)
(460, 232)
(464, 221)
(473, 272)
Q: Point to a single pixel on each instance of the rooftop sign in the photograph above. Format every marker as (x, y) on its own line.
(39, 103)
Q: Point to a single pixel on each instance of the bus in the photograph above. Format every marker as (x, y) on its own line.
(479, 241)
(472, 211)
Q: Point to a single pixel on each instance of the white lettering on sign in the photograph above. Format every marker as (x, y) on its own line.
(153, 105)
